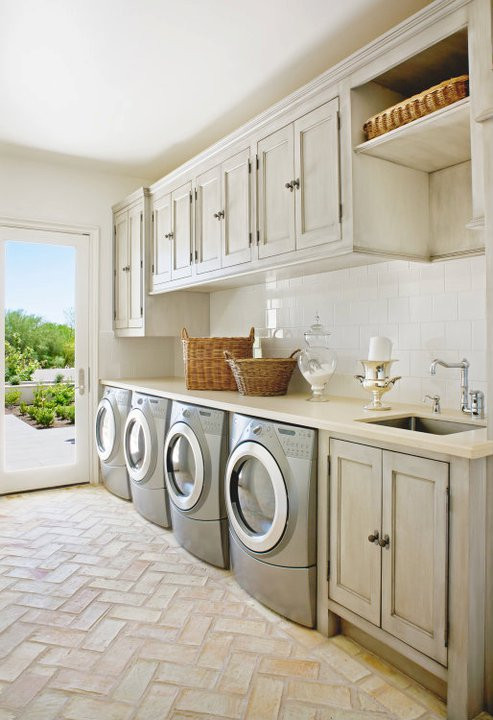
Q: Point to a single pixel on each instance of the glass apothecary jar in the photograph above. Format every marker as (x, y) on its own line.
(317, 361)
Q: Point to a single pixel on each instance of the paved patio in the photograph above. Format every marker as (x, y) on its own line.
(26, 447)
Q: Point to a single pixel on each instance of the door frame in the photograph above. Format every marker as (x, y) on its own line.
(92, 233)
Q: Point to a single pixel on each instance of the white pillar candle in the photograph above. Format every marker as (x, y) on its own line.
(380, 348)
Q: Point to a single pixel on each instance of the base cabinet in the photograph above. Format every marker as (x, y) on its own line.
(389, 542)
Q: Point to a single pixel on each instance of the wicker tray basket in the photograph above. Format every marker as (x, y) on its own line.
(417, 106)
(205, 366)
(261, 376)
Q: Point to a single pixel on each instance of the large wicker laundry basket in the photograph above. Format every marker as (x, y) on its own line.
(205, 365)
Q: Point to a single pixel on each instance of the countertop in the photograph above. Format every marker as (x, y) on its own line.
(338, 415)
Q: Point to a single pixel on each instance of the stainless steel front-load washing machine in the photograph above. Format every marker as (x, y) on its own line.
(195, 454)
(271, 503)
(111, 417)
(143, 443)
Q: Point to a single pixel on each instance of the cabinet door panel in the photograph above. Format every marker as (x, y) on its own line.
(207, 226)
(121, 274)
(181, 241)
(135, 246)
(414, 564)
(355, 513)
(237, 237)
(161, 255)
(276, 202)
(316, 138)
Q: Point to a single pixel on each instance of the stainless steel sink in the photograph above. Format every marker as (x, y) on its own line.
(433, 426)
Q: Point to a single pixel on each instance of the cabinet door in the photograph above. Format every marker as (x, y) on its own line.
(161, 241)
(181, 238)
(275, 200)
(414, 563)
(316, 141)
(135, 262)
(121, 272)
(237, 236)
(208, 221)
(355, 513)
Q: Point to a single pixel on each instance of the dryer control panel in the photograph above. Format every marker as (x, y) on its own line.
(296, 442)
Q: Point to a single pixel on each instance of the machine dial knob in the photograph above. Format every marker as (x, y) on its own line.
(257, 429)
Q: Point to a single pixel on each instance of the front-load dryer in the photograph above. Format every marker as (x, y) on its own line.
(111, 417)
(195, 454)
(143, 443)
(270, 489)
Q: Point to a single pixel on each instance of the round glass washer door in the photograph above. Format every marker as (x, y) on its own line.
(183, 466)
(256, 497)
(139, 446)
(107, 430)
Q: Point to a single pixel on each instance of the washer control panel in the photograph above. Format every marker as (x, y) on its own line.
(212, 421)
(296, 442)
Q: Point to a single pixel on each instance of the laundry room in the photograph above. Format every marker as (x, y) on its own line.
(246, 456)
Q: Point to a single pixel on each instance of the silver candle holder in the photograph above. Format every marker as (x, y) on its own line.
(377, 381)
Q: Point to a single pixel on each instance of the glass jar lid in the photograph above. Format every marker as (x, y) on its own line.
(317, 335)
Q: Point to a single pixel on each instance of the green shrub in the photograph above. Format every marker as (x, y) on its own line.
(12, 398)
(44, 416)
(31, 411)
(23, 408)
(15, 380)
(59, 377)
(66, 412)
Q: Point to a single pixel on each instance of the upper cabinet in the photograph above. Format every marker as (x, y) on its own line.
(300, 187)
(223, 236)
(136, 313)
(298, 184)
(128, 231)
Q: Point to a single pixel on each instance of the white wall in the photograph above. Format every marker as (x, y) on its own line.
(59, 192)
(428, 310)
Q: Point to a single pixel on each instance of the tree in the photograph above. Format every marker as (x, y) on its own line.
(49, 344)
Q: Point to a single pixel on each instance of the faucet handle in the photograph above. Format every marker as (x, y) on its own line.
(435, 399)
(477, 403)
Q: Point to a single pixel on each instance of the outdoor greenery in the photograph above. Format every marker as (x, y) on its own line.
(12, 398)
(49, 402)
(31, 343)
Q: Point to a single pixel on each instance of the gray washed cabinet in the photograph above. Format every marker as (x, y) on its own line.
(388, 542)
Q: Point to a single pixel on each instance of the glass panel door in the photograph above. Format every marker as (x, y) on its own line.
(44, 428)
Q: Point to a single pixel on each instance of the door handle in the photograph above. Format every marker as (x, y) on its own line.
(81, 387)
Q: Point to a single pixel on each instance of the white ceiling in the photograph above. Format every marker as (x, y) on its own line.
(142, 85)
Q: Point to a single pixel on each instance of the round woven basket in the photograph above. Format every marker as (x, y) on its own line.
(261, 376)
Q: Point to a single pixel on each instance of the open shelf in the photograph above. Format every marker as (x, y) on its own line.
(431, 143)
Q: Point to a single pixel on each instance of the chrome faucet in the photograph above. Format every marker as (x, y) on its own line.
(474, 408)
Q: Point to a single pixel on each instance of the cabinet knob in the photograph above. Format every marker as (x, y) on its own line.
(374, 536)
(384, 542)
(289, 186)
(221, 213)
(217, 216)
(296, 183)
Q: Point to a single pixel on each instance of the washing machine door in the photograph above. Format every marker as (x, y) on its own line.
(183, 466)
(107, 429)
(139, 446)
(256, 497)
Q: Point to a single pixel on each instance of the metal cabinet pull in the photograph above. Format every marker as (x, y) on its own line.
(296, 183)
(384, 542)
(289, 186)
(374, 536)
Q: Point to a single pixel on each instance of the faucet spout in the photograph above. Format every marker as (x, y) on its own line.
(463, 366)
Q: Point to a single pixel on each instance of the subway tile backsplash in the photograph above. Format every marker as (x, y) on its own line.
(428, 311)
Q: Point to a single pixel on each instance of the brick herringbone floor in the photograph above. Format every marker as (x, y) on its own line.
(103, 617)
